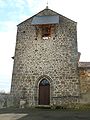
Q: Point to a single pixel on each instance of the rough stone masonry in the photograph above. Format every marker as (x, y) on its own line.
(51, 58)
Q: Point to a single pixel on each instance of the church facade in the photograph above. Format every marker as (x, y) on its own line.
(45, 70)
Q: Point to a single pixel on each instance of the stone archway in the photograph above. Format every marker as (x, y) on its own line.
(44, 92)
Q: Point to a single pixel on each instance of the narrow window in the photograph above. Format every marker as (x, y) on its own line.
(46, 31)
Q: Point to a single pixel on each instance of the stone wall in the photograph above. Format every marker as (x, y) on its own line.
(55, 59)
(6, 100)
(85, 84)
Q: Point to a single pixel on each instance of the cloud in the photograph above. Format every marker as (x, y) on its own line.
(13, 10)
(12, 3)
(7, 26)
(36, 5)
(7, 47)
(2, 3)
(5, 83)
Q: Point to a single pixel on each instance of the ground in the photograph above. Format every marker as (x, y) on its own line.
(43, 114)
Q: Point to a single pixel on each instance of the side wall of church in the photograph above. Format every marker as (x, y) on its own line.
(85, 84)
(55, 59)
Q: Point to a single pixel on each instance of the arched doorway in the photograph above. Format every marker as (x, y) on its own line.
(44, 92)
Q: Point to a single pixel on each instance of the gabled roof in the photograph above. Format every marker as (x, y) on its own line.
(43, 11)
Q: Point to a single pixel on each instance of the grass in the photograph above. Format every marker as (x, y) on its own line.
(77, 106)
(70, 107)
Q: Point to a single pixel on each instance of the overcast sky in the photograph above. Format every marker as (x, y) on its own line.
(12, 12)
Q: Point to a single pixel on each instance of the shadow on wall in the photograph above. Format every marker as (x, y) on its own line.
(85, 98)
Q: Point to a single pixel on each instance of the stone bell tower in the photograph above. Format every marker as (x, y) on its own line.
(45, 68)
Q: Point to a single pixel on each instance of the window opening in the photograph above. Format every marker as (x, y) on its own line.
(46, 31)
(44, 82)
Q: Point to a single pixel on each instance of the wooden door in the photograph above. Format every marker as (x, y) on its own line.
(44, 92)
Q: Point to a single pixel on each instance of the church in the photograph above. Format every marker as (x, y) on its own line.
(46, 68)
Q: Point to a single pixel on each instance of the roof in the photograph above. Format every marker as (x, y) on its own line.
(46, 10)
(39, 20)
(84, 64)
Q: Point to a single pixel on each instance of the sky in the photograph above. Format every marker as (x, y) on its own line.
(12, 12)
